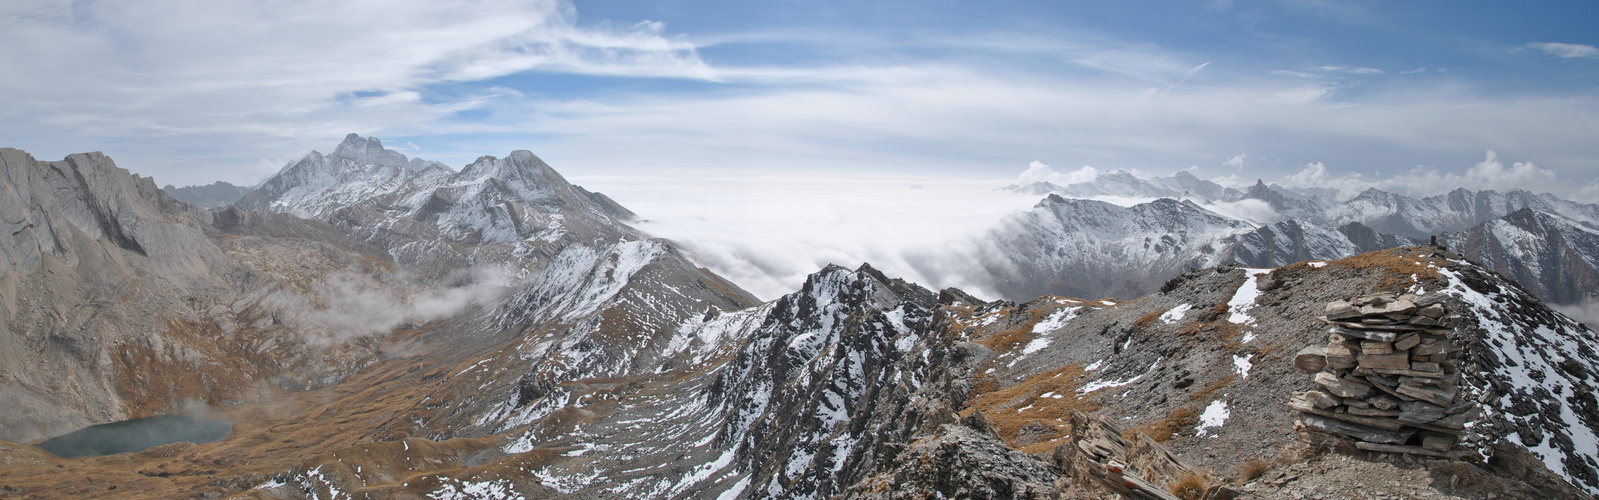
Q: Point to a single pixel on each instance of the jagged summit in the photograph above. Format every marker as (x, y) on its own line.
(494, 212)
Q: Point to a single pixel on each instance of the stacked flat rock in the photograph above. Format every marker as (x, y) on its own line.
(1389, 376)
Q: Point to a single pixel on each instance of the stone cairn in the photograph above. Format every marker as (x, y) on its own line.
(1389, 376)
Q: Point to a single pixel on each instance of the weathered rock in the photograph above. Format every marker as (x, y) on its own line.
(1426, 366)
(1420, 412)
(1354, 430)
(1407, 341)
(1359, 331)
(1438, 442)
(1419, 320)
(1438, 396)
(1345, 387)
(1432, 347)
(1311, 359)
(1373, 412)
(1375, 347)
(1393, 361)
(1341, 310)
(1384, 402)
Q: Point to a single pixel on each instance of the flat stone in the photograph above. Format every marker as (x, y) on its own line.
(1376, 321)
(1369, 329)
(1434, 311)
(1344, 387)
(1425, 367)
(1458, 420)
(1383, 402)
(1437, 396)
(1311, 359)
(1355, 430)
(1407, 341)
(1420, 320)
(1376, 347)
(1438, 442)
(1373, 412)
(1401, 306)
(1410, 450)
(1373, 299)
(1395, 361)
(1434, 347)
(1315, 399)
(1357, 331)
(1420, 412)
(1341, 310)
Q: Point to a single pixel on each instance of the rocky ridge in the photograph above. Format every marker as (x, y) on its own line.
(514, 212)
(621, 369)
(1277, 226)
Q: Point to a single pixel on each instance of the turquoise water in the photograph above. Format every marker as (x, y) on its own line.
(137, 434)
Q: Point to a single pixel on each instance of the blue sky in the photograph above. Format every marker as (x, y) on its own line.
(191, 92)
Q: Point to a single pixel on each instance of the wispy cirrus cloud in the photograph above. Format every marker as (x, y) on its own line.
(1566, 50)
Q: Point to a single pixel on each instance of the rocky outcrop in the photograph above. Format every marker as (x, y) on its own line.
(90, 257)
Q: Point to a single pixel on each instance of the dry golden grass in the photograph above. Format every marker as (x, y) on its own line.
(1180, 420)
(1204, 394)
(1252, 469)
(1015, 337)
(1147, 319)
(1403, 266)
(1014, 407)
(1190, 487)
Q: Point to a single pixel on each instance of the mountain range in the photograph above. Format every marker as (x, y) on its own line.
(1074, 244)
(376, 326)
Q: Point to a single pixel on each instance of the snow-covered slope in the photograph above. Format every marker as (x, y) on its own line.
(1555, 257)
(514, 212)
(1070, 249)
(1092, 248)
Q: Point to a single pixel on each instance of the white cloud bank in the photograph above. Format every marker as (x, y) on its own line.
(767, 233)
(1490, 173)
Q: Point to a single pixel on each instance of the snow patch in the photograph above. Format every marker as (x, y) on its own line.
(1176, 313)
(1056, 320)
(1214, 416)
(1242, 364)
(1244, 299)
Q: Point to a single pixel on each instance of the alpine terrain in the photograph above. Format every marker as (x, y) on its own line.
(377, 326)
(1118, 235)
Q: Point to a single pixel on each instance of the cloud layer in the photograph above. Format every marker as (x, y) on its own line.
(195, 91)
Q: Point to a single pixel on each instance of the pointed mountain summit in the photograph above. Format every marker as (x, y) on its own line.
(516, 212)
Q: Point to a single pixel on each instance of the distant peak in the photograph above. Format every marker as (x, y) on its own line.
(368, 151)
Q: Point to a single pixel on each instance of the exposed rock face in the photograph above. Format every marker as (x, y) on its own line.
(1554, 257)
(90, 252)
